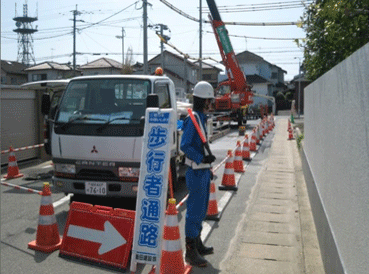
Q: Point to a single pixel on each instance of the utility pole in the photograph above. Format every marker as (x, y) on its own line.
(200, 42)
(75, 13)
(122, 37)
(159, 30)
(299, 91)
(145, 69)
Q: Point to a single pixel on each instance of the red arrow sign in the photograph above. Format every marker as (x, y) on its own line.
(98, 234)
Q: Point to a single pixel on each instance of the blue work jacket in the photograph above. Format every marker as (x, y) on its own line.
(191, 143)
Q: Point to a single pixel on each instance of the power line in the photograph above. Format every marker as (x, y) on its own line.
(298, 23)
(264, 38)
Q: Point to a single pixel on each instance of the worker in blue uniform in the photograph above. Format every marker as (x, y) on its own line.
(198, 175)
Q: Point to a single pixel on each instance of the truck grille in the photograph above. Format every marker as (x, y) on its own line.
(96, 174)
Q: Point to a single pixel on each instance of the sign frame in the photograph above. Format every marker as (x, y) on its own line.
(152, 187)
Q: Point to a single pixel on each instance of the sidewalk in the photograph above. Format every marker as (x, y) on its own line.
(278, 233)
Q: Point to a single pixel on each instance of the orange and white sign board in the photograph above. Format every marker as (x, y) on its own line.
(98, 234)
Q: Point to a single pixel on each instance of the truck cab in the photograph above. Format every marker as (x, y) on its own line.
(97, 132)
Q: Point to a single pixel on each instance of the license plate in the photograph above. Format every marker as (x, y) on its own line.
(95, 188)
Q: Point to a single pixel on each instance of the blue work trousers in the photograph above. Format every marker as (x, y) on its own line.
(198, 185)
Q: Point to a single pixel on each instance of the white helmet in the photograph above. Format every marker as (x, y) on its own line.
(203, 90)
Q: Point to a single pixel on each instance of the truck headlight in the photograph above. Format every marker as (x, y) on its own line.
(128, 172)
(65, 168)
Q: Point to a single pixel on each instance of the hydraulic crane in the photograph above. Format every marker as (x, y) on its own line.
(234, 94)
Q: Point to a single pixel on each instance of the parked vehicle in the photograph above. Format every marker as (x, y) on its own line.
(96, 129)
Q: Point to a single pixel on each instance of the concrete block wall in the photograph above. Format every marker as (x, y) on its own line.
(336, 152)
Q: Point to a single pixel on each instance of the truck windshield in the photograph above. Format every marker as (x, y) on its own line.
(98, 101)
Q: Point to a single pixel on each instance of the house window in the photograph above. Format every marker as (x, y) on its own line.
(274, 75)
(206, 77)
(3, 80)
(39, 77)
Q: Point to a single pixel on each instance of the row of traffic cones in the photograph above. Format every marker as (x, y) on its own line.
(236, 164)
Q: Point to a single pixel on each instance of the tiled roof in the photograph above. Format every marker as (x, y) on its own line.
(13, 67)
(49, 66)
(102, 63)
(255, 79)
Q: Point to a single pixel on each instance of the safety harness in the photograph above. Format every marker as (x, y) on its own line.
(188, 161)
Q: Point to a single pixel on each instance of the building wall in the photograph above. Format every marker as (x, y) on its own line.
(50, 75)
(21, 122)
(336, 150)
(260, 89)
(12, 79)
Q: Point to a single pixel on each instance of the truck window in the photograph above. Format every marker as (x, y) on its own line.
(121, 101)
(162, 90)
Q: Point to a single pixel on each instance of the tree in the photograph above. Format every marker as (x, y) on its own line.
(128, 62)
(334, 30)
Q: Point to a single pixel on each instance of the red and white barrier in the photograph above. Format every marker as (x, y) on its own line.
(22, 148)
(22, 188)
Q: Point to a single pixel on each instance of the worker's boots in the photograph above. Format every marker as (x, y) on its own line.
(203, 250)
(192, 255)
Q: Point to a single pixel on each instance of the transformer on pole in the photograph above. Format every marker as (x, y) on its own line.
(25, 40)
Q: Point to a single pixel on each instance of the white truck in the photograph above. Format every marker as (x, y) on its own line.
(95, 132)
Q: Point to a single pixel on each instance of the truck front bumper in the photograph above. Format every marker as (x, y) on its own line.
(113, 188)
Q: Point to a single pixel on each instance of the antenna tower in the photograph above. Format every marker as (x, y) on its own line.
(25, 40)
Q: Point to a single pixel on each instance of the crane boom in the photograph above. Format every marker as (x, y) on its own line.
(236, 77)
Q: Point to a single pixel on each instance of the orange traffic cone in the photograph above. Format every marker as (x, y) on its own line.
(171, 254)
(228, 181)
(253, 141)
(13, 170)
(290, 134)
(237, 163)
(212, 213)
(245, 149)
(47, 238)
(258, 135)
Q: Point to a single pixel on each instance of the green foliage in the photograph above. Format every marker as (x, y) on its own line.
(299, 140)
(334, 30)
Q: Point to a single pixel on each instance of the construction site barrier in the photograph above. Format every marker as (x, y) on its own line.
(22, 148)
(180, 204)
(22, 188)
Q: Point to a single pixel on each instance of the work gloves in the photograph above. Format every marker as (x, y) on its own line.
(208, 159)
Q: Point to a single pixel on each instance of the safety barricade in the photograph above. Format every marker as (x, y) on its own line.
(22, 188)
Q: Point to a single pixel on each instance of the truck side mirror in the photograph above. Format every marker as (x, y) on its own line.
(152, 101)
(45, 104)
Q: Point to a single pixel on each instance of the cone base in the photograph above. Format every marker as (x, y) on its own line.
(228, 188)
(14, 176)
(45, 249)
(215, 217)
(187, 269)
(239, 170)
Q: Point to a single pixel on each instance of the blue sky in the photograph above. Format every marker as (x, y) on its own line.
(54, 40)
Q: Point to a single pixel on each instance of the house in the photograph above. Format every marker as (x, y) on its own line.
(102, 66)
(209, 73)
(298, 84)
(184, 73)
(180, 70)
(12, 73)
(265, 78)
(49, 71)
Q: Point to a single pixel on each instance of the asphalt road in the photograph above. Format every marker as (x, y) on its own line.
(20, 211)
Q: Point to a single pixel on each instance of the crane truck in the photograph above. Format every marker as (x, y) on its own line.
(234, 95)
